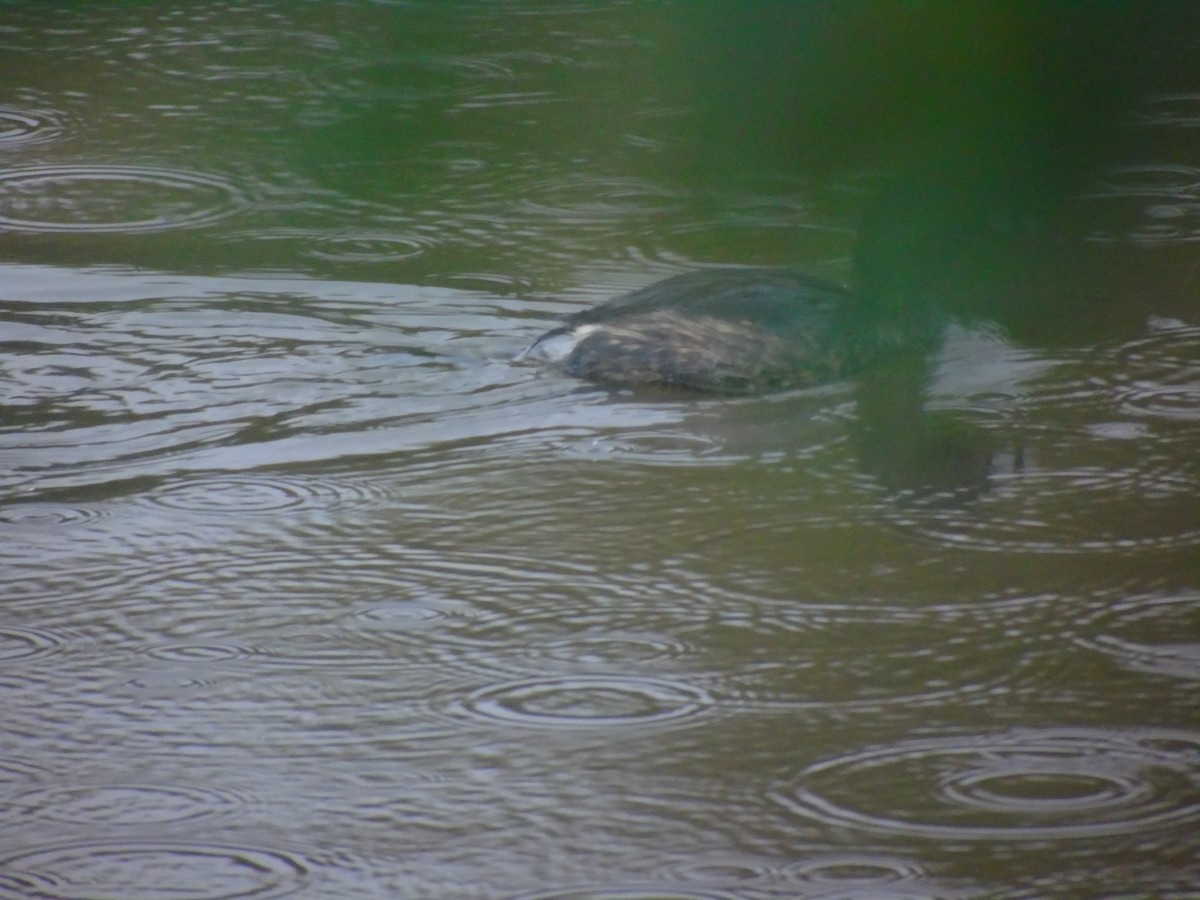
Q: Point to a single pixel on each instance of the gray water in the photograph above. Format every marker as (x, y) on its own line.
(309, 590)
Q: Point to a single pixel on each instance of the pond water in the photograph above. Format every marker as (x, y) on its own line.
(310, 590)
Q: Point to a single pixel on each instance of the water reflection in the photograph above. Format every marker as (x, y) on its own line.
(1105, 427)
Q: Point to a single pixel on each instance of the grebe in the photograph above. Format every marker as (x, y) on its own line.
(731, 330)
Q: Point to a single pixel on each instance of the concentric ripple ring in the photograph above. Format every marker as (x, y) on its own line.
(99, 199)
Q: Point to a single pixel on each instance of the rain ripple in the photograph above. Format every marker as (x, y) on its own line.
(1153, 204)
(585, 701)
(151, 869)
(240, 55)
(796, 659)
(46, 516)
(828, 875)
(18, 771)
(1023, 785)
(28, 126)
(94, 199)
(565, 634)
(26, 644)
(1067, 510)
(117, 805)
(1148, 635)
(640, 890)
(584, 200)
(212, 652)
(361, 246)
(851, 875)
(1157, 377)
(262, 493)
(305, 653)
(1110, 462)
(1180, 110)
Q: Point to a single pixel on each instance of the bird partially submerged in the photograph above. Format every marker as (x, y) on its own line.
(730, 330)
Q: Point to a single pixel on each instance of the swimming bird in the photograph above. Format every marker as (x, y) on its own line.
(733, 331)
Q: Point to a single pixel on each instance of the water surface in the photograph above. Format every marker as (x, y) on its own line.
(309, 590)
